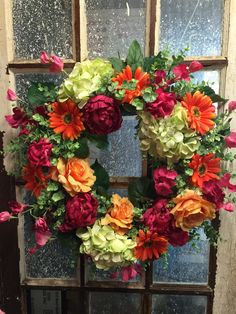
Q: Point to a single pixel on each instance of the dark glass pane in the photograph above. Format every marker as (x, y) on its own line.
(45, 302)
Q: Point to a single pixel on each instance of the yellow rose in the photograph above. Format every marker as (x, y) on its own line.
(191, 210)
(120, 214)
(75, 175)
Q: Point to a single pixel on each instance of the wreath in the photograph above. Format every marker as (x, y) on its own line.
(183, 136)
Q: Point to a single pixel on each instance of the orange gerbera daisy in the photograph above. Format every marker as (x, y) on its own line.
(66, 118)
(204, 168)
(142, 79)
(35, 179)
(200, 111)
(149, 246)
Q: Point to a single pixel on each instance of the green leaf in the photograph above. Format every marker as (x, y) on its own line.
(117, 64)
(207, 90)
(138, 103)
(39, 93)
(140, 191)
(56, 197)
(101, 141)
(102, 177)
(83, 151)
(135, 55)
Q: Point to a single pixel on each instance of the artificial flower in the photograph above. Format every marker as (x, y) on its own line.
(232, 105)
(130, 272)
(56, 65)
(16, 207)
(120, 214)
(75, 175)
(42, 110)
(200, 110)
(191, 210)
(159, 76)
(176, 236)
(42, 234)
(164, 180)
(102, 115)
(140, 78)
(106, 248)
(230, 140)
(149, 246)
(85, 79)
(18, 118)
(163, 105)
(39, 153)
(66, 118)
(81, 211)
(224, 182)
(205, 168)
(35, 179)
(44, 58)
(5, 216)
(182, 71)
(229, 207)
(212, 191)
(11, 95)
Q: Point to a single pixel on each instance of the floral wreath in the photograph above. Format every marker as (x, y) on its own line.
(182, 135)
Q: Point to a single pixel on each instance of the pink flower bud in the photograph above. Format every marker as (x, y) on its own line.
(230, 140)
(5, 216)
(57, 64)
(44, 58)
(11, 95)
(229, 207)
(195, 66)
(1, 312)
(232, 105)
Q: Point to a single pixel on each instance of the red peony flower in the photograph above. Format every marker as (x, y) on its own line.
(230, 140)
(16, 207)
(163, 105)
(212, 191)
(39, 153)
(159, 76)
(18, 118)
(35, 179)
(205, 168)
(176, 236)
(149, 246)
(102, 115)
(164, 180)
(81, 211)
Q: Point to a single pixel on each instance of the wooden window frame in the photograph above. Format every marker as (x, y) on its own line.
(147, 288)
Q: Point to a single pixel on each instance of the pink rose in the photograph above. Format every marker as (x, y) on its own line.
(44, 58)
(212, 191)
(232, 105)
(164, 180)
(5, 216)
(159, 76)
(81, 211)
(130, 272)
(163, 105)
(11, 95)
(39, 153)
(230, 140)
(18, 118)
(57, 64)
(102, 115)
(16, 207)
(229, 207)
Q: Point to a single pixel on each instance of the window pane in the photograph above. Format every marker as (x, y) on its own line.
(185, 264)
(107, 303)
(213, 77)
(42, 25)
(122, 157)
(45, 301)
(179, 304)
(113, 25)
(196, 23)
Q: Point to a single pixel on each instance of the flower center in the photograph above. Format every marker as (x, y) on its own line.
(148, 243)
(67, 118)
(202, 170)
(195, 111)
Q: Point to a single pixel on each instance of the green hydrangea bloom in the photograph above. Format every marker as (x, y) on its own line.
(106, 248)
(168, 138)
(86, 78)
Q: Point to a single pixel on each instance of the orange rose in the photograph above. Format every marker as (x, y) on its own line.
(191, 210)
(75, 175)
(120, 215)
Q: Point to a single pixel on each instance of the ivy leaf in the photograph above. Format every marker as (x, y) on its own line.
(135, 55)
(117, 64)
(39, 93)
(140, 191)
(102, 177)
(138, 103)
(56, 197)
(83, 151)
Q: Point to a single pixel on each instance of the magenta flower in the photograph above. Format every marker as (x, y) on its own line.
(164, 180)
(42, 234)
(213, 192)
(224, 182)
(18, 118)
(57, 64)
(176, 236)
(163, 105)
(230, 140)
(39, 153)
(11, 95)
(159, 76)
(130, 272)
(44, 58)
(232, 105)
(16, 207)
(230, 207)
(5, 216)
(182, 71)
(195, 66)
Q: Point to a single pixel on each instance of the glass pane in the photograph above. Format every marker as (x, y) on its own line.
(122, 158)
(107, 303)
(196, 23)
(213, 77)
(179, 304)
(121, 192)
(42, 25)
(113, 25)
(185, 264)
(45, 302)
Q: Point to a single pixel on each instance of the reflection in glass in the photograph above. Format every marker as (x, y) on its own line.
(113, 25)
(42, 25)
(179, 304)
(196, 23)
